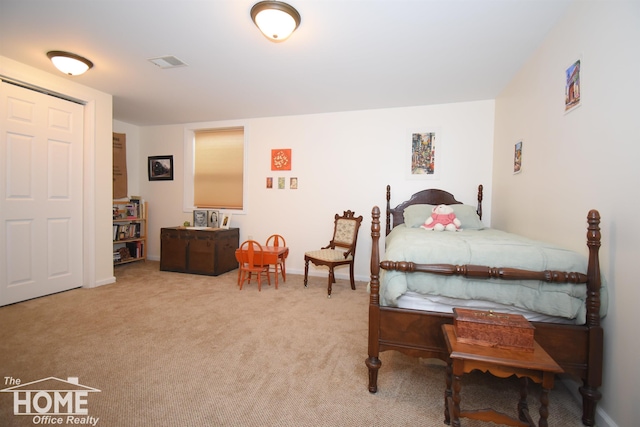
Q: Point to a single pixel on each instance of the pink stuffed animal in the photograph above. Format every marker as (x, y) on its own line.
(442, 218)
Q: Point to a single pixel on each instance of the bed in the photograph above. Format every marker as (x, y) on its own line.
(411, 293)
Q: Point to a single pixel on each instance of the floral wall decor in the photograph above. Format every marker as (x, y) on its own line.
(281, 159)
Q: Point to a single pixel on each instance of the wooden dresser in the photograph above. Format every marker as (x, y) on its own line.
(206, 251)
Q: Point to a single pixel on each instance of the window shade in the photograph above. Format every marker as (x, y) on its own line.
(219, 168)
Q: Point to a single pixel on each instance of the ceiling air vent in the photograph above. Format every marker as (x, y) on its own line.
(167, 62)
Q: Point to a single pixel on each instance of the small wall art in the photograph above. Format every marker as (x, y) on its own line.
(293, 183)
(281, 183)
(269, 182)
(517, 158)
(423, 162)
(572, 93)
(281, 159)
(160, 168)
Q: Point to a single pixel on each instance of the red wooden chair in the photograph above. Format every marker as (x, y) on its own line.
(251, 260)
(277, 241)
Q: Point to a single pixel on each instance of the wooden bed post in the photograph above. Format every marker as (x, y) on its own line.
(590, 393)
(373, 362)
(388, 226)
(479, 208)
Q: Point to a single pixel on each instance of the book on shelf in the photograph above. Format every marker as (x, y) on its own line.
(132, 208)
(127, 231)
(132, 211)
(136, 249)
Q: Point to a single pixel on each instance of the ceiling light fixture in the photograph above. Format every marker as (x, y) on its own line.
(276, 19)
(69, 63)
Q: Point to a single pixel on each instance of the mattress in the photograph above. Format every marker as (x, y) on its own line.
(440, 304)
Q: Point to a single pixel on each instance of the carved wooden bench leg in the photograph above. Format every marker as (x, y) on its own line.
(447, 393)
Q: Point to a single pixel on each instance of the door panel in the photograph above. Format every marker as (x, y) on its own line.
(40, 194)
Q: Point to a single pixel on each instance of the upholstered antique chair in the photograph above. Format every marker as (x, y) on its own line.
(251, 260)
(277, 241)
(340, 251)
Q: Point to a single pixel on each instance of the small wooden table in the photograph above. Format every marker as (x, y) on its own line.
(464, 358)
(270, 256)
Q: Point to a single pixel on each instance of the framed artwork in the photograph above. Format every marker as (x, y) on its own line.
(212, 218)
(160, 168)
(225, 220)
(200, 218)
(281, 183)
(517, 158)
(572, 93)
(423, 159)
(269, 182)
(293, 183)
(281, 159)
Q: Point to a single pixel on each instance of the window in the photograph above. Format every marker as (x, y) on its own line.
(214, 168)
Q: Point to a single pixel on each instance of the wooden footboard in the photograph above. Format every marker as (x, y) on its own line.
(578, 349)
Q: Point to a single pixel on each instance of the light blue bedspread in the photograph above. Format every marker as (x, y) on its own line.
(488, 247)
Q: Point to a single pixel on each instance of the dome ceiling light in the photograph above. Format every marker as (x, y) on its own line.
(69, 63)
(276, 19)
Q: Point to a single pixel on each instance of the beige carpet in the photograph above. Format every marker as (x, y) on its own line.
(170, 349)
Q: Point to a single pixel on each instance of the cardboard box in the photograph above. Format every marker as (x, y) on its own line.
(493, 329)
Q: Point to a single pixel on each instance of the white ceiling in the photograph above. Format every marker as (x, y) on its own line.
(346, 54)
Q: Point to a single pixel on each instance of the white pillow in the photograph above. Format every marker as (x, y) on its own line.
(415, 215)
(468, 217)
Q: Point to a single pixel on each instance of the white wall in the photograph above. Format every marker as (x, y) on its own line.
(97, 163)
(582, 160)
(342, 161)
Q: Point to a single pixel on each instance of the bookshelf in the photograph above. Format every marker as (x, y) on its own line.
(129, 230)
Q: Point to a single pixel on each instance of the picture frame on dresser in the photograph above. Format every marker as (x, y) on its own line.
(225, 220)
(200, 218)
(213, 217)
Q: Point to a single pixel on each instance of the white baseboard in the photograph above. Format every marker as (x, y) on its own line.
(106, 281)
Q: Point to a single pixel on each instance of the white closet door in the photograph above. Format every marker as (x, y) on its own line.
(41, 141)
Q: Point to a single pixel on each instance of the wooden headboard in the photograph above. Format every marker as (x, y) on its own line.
(430, 196)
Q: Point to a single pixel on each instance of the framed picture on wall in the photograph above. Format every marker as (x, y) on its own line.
(517, 158)
(160, 168)
(423, 159)
(572, 92)
(281, 159)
